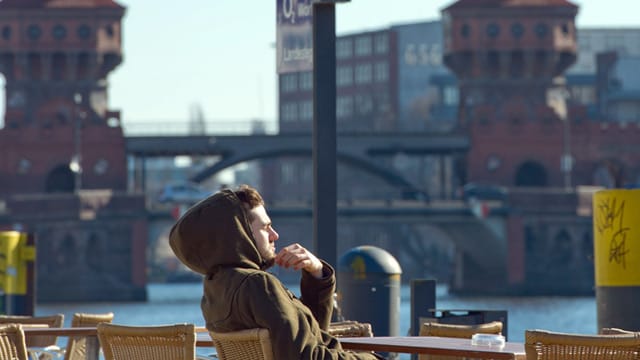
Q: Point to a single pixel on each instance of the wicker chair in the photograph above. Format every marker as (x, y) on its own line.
(456, 331)
(350, 328)
(36, 341)
(12, 342)
(541, 345)
(160, 342)
(77, 345)
(254, 344)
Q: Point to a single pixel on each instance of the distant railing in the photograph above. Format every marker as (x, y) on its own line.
(184, 127)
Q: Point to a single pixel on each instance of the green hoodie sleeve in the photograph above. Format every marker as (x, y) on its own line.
(317, 294)
(294, 331)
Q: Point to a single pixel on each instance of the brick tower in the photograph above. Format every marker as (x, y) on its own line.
(509, 57)
(55, 56)
(63, 174)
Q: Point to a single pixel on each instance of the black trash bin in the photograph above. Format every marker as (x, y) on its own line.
(369, 288)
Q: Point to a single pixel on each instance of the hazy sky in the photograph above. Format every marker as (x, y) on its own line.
(220, 53)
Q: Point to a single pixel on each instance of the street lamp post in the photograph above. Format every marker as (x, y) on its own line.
(557, 99)
(76, 161)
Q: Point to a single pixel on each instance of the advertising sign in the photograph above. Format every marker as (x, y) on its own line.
(294, 36)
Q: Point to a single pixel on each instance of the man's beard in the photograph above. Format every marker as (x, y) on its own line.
(268, 263)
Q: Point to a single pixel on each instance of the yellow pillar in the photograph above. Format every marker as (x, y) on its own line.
(616, 240)
(17, 255)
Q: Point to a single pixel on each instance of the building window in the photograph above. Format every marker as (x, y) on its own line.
(450, 95)
(109, 30)
(289, 82)
(344, 48)
(344, 107)
(381, 72)
(364, 104)
(287, 172)
(583, 94)
(541, 30)
(381, 43)
(363, 45)
(289, 112)
(306, 111)
(363, 74)
(59, 32)
(34, 32)
(465, 30)
(306, 80)
(382, 102)
(344, 76)
(493, 30)
(6, 32)
(84, 31)
(423, 54)
(517, 30)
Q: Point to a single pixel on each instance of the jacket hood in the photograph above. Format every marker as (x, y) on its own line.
(215, 233)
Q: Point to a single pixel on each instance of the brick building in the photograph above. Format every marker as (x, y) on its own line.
(63, 173)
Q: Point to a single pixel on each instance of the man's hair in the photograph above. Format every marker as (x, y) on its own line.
(249, 197)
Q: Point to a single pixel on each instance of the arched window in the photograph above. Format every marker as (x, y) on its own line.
(66, 253)
(531, 173)
(60, 179)
(561, 249)
(94, 253)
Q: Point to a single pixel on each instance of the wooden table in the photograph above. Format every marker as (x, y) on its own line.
(397, 344)
(434, 346)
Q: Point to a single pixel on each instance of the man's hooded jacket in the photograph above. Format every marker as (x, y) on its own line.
(214, 238)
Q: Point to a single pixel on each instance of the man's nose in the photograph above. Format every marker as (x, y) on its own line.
(274, 235)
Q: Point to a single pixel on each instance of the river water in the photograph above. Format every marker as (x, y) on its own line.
(180, 303)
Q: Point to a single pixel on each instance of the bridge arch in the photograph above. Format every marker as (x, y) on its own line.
(391, 177)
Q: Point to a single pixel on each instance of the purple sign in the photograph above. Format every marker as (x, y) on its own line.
(294, 36)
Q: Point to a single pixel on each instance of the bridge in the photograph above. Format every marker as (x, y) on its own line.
(451, 222)
(357, 149)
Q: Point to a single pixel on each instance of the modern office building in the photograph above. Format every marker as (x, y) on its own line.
(383, 85)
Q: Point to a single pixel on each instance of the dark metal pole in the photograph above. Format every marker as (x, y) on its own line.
(77, 141)
(324, 132)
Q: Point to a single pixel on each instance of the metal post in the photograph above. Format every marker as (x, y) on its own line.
(567, 159)
(324, 132)
(423, 301)
(76, 162)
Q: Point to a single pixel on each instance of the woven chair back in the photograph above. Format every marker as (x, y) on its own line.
(160, 342)
(12, 343)
(542, 345)
(77, 345)
(52, 321)
(254, 344)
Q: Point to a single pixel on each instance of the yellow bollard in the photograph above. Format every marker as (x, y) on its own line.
(17, 255)
(616, 241)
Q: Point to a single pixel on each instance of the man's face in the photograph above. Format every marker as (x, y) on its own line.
(264, 234)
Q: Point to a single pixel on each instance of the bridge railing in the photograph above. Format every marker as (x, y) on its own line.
(182, 127)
